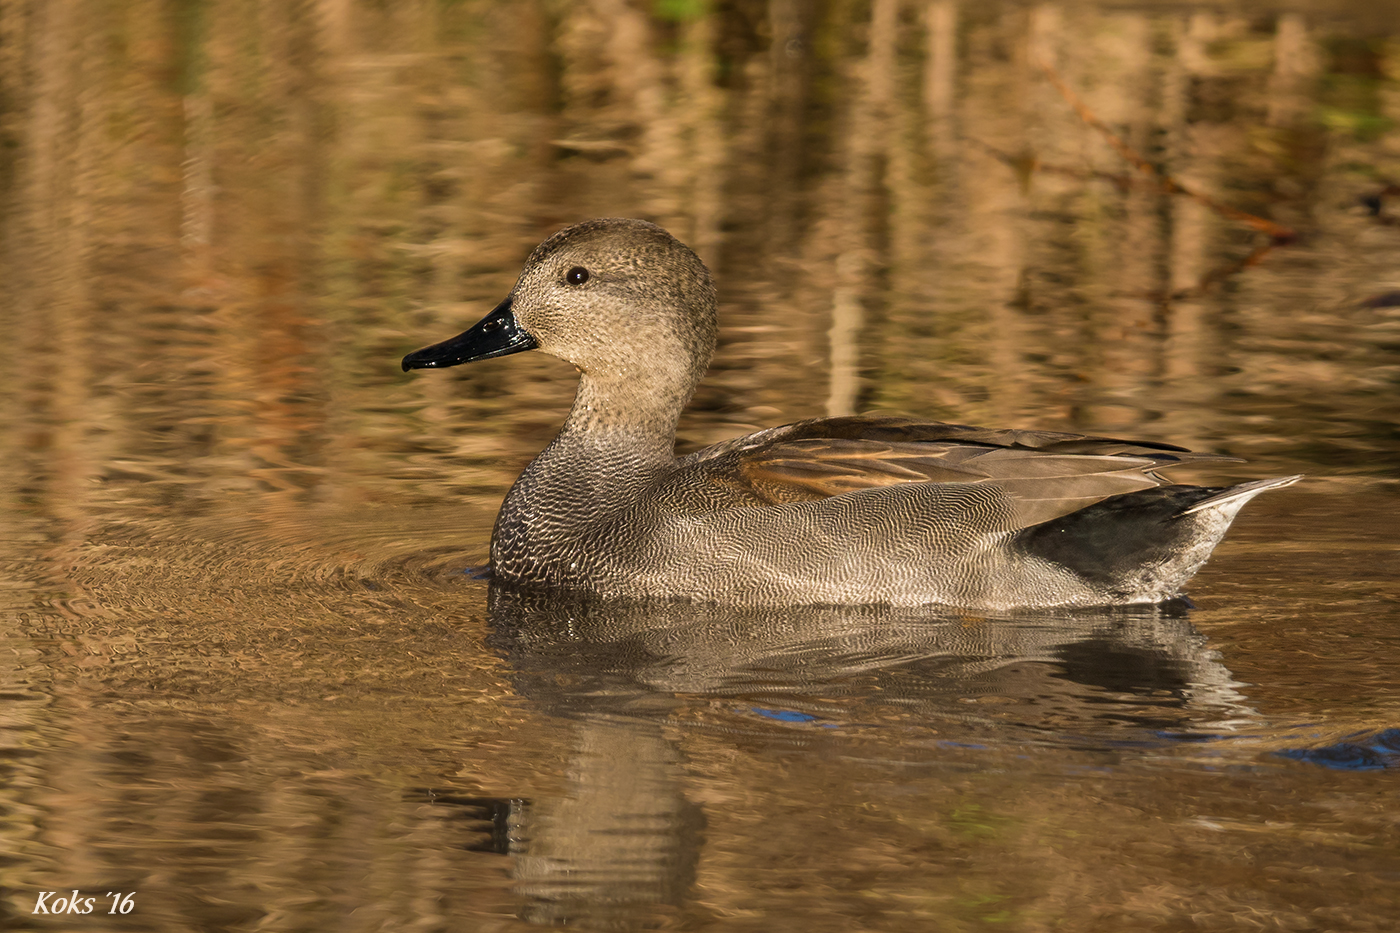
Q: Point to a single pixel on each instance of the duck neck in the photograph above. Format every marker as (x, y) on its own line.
(619, 437)
(612, 448)
(631, 418)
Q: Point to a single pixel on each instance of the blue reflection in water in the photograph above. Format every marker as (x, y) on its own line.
(1358, 752)
(783, 715)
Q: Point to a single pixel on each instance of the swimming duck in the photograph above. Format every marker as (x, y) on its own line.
(832, 510)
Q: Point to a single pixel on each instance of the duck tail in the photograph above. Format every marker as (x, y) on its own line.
(1142, 547)
(1233, 498)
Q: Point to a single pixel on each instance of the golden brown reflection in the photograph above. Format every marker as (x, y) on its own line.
(222, 230)
(245, 736)
(239, 662)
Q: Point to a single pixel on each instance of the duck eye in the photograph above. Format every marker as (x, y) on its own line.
(576, 276)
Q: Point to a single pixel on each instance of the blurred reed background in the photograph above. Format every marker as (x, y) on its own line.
(224, 221)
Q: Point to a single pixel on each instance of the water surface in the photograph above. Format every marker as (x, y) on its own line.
(246, 681)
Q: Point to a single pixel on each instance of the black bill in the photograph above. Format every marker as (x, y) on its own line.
(497, 334)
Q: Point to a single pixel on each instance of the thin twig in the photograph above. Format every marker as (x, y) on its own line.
(1224, 272)
(1026, 165)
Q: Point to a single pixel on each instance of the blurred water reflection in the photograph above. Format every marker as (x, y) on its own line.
(242, 676)
(826, 664)
(624, 839)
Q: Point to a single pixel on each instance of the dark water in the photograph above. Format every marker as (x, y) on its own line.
(246, 683)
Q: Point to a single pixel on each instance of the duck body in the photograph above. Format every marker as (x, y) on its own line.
(834, 510)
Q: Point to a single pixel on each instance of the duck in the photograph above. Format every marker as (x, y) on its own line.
(827, 511)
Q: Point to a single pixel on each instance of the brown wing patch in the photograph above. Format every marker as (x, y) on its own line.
(817, 468)
(1045, 474)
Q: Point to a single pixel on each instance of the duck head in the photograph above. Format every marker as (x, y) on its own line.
(622, 300)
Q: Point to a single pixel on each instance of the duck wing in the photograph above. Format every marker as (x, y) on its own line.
(1046, 474)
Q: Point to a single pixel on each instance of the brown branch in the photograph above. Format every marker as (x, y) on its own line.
(1278, 233)
(1210, 278)
(1224, 272)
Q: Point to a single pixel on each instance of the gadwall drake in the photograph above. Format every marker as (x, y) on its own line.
(832, 510)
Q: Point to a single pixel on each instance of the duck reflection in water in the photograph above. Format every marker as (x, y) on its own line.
(926, 687)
